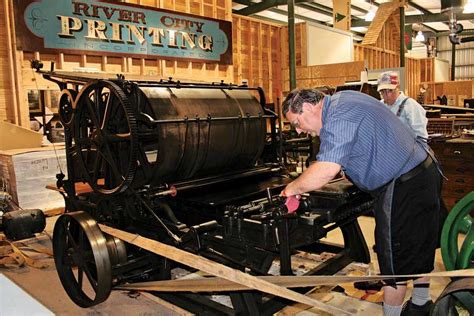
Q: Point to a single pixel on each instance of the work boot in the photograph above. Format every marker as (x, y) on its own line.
(410, 309)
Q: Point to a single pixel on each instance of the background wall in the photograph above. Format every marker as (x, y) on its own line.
(256, 58)
(326, 45)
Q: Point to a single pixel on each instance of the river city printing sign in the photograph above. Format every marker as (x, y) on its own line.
(120, 29)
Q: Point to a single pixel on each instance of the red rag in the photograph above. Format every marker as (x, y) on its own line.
(292, 203)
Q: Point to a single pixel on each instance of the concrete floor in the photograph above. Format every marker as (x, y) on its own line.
(45, 287)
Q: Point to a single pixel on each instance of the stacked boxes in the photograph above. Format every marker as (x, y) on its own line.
(27, 172)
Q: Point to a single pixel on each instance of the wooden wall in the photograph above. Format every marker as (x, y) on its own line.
(455, 91)
(256, 55)
(256, 58)
(8, 101)
(331, 75)
(17, 77)
(300, 45)
(385, 53)
(260, 57)
(376, 57)
(417, 71)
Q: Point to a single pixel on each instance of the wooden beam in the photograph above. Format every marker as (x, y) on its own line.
(217, 269)
(341, 16)
(213, 284)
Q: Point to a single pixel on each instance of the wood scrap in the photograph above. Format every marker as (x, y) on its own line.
(320, 293)
(215, 284)
(366, 295)
(166, 304)
(217, 269)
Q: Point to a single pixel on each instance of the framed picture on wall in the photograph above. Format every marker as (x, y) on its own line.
(53, 99)
(34, 101)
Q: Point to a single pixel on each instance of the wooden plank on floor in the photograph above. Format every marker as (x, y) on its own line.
(166, 304)
(213, 284)
(319, 293)
(217, 269)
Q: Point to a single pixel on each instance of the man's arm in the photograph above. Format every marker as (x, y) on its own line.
(313, 178)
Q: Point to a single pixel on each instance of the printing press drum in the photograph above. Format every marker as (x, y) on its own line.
(164, 133)
(205, 131)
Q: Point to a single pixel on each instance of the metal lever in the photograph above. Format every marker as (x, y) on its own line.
(269, 196)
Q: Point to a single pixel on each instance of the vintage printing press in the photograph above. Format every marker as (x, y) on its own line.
(191, 165)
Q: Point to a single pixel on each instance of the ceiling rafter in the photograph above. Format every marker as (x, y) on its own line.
(424, 11)
(421, 18)
(310, 5)
(253, 8)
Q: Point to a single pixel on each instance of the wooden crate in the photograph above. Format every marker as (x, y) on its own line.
(27, 172)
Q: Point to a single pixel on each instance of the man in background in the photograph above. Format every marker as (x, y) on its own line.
(407, 109)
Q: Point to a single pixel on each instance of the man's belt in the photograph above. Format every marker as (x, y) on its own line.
(417, 170)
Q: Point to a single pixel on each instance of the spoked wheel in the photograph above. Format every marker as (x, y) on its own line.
(82, 259)
(105, 135)
(66, 106)
(456, 299)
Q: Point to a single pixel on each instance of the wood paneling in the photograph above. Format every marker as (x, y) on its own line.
(455, 91)
(376, 57)
(300, 45)
(256, 55)
(331, 75)
(11, 64)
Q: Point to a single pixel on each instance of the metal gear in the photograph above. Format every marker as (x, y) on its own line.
(105, 136)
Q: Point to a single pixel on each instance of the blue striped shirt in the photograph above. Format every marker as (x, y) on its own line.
(370, 143)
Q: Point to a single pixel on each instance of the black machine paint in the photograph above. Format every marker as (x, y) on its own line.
(192, 165)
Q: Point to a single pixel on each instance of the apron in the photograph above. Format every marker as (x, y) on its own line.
(383, 215)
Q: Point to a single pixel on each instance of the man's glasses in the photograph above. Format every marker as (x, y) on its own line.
(385, 91)
(296, 123)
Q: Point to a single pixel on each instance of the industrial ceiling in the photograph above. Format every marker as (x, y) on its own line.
(424, 15)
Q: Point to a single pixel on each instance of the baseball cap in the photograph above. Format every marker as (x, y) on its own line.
(388, 80)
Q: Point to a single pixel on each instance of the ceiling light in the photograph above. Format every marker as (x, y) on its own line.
(420, 37)
(469, 7)
(371, 13)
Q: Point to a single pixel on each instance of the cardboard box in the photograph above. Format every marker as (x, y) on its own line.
(461, 99)
(27, 172)
(452, 100)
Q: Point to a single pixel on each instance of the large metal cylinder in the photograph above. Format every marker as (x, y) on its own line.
(203, 131)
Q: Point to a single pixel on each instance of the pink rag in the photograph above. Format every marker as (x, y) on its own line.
(292, 203)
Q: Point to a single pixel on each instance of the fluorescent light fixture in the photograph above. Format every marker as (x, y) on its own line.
(469, 7)
(371, 13)
(420, 37)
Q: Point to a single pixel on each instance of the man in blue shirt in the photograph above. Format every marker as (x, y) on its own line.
(382, 156)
